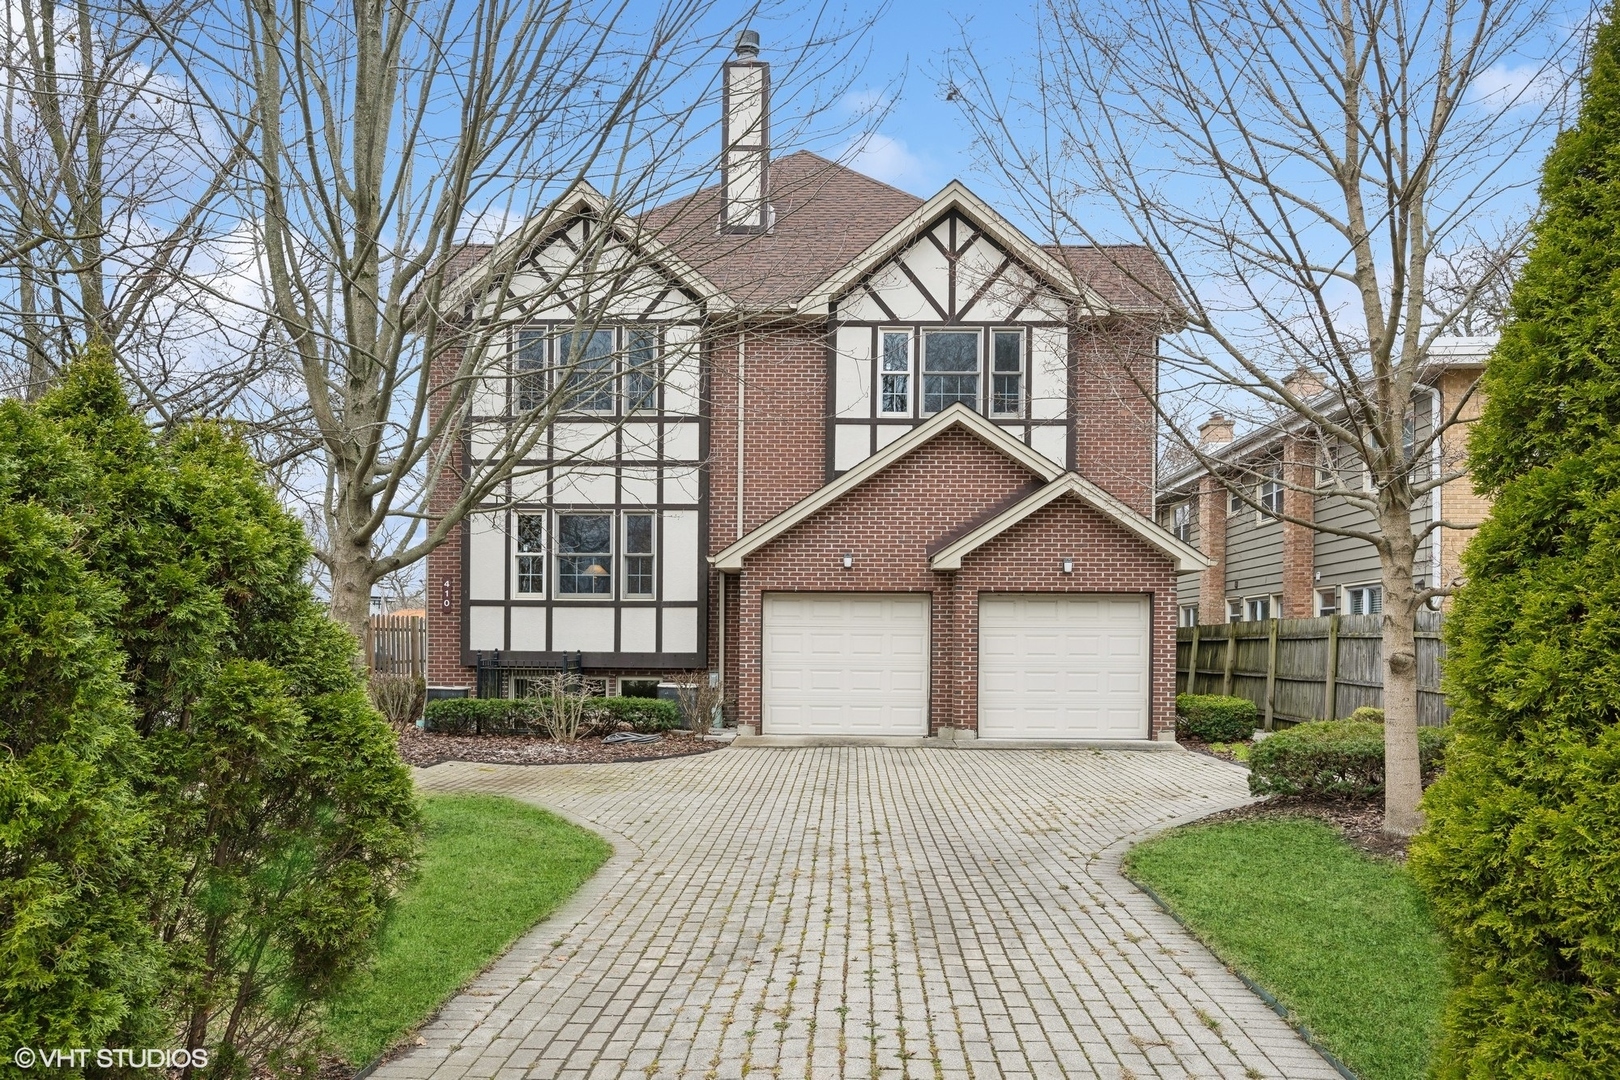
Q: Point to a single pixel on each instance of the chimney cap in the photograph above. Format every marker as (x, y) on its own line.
(748, 44)
(1216, 431)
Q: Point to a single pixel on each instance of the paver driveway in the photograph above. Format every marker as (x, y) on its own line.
(862, 911)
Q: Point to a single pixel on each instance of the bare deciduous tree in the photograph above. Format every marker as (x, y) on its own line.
(1302, 168)
(377, 140)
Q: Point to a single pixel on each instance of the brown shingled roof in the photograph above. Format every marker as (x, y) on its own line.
(826, 214)
(1128, 276)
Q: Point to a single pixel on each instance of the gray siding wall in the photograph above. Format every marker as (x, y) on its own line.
(1186, 584)
(1253, 555)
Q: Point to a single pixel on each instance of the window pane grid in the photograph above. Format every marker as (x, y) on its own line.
(950, 370)
(641, 375)
(1007, 384)
(638, 557)
(531, 560)
(896, 381)
(587, 363)
(531, 363)
(584, 554)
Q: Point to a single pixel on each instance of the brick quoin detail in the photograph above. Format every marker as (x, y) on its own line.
(1298, 540)
(889, 523)
(1212, 498)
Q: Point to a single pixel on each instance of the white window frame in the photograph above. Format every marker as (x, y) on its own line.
(609, 557)
(630, 369)
(1234, 609)
(994, 373)
(565, 375)
(1181, 519)
(1249, 604)
(1234, 501)
(539, 554)
(1331, 608)
(1366, 598)
(1268, 495)
(1187, 615)
(923, 373)
(529, 372)
(909, 373)
(625, 554)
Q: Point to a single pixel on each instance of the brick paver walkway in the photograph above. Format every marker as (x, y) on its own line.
(861, 912)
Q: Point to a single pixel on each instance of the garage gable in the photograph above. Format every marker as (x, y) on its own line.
(956, 418)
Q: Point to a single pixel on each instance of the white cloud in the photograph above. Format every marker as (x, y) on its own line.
(866, 102)
(1517, 84)
(888, 159)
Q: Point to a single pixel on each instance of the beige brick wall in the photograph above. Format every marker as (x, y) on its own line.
(1458, 502)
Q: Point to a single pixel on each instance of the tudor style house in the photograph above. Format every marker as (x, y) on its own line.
(882, 465)
(1264, 567)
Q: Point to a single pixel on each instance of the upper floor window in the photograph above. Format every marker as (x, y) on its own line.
(1234, 609)
(1181, 521)
(1234, 501)
(1271, 493)
(638, 555)
(1188, 615)
(895, 391)
(585, 363)
(950, 369)
(641, 369)
(1007, 373)
(531, 369)
(531, 558)
(584, 554)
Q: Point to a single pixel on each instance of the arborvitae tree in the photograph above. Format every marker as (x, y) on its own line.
(1522, 854)
(79, 963)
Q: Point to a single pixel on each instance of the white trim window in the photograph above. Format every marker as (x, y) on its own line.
(1364, 600)
(585, 364)
(1007, 373)
(1270, 495)
(1327, 602)
(640, 562)
(1258, 608)
(1234, 502)
(950, 369)
(1181, 521)
(894, 386)
(530, 368)
(640, 369)
(1234, 609)
(584, 554)
(1187, 615)
(531, 554)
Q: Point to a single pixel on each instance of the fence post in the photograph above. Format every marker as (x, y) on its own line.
(1271, 672)
(1231, 658)
(1330, 692)
(1192, 663)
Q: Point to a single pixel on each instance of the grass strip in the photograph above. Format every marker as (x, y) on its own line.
(1344, 941)
(491, 868)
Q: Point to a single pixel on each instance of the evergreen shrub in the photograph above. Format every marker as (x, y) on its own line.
(523, 716)
(1521, 854)
(1333, 757)
(1215, 717)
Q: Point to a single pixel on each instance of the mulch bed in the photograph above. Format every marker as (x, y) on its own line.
(1359, 819)
(424, 748)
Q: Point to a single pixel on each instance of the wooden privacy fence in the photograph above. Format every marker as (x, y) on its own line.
(1306, 669)
(397, 645)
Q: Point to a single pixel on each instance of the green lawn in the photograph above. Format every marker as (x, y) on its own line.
(1342, 939)
(491, 868)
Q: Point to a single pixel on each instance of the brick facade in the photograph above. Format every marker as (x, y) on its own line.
(1114, 422)
(889, 524)
(1298, 538)
(1459, 503)
(1212, 542)
(445, 578)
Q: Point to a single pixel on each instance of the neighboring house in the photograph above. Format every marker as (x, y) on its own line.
(896, 477)
(1264, 567)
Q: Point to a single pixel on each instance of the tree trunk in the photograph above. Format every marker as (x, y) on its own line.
(1403, 779)
(351, 569)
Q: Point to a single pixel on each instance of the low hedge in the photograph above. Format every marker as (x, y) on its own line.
(1215, 718)
(522, 716)
(1333, 757)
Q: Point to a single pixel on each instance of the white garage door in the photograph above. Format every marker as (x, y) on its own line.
(1063, 667)
(845, 664)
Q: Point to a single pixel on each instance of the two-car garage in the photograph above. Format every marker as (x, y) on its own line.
(1051, 666)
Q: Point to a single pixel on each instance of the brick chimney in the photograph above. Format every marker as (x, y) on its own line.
(745, 140)
(1216, 431)
(1304, 383)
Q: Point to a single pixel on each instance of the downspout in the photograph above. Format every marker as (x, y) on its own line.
(718, 721)
(742, 382)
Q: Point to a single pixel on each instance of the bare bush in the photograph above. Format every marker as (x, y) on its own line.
(563, 704)
(395, 696)
(699, 694)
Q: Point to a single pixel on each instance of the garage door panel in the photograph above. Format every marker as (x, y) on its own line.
(1063, 667)
(860, 662)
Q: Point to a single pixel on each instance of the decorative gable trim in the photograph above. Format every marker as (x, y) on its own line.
(1186, 558)
(582, 200)
(957, 416)
(953, 196)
